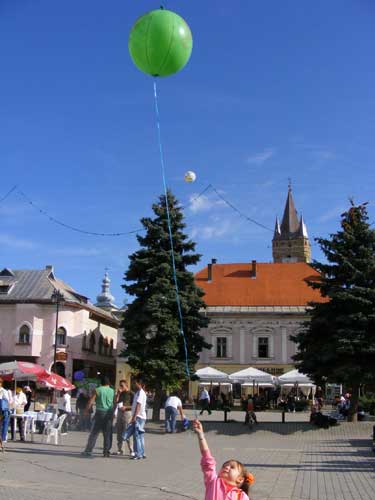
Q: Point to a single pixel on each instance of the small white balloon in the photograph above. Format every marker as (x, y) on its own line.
(190, 176)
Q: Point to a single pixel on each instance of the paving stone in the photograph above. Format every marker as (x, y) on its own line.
(292, 461)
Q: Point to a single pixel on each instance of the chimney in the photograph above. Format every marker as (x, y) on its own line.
(49, 268)
(209, 269)
(253, 269)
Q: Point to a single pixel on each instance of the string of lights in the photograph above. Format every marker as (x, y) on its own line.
(61, 223)
(8, 193)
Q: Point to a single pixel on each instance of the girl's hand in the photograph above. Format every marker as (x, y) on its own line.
(197, 426)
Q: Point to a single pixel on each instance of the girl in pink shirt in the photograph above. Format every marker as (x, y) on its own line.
(232, 482)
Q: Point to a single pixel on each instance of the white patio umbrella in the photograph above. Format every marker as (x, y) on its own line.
(251, 376)
(209, 374)
(295, 377)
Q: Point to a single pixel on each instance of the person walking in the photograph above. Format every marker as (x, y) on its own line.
(103, 397)
(173, 407)
(138, 420)
(124, 400)
(204, 401)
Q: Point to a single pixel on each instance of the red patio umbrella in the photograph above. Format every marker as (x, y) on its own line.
(21, 370)
(56, 381)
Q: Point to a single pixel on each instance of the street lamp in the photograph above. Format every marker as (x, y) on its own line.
(57, 297)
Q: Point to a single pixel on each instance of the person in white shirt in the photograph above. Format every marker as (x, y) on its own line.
(138, 420)
(19, 403)
(6, 397)
(173, 407)
(204, 400)
(65, 408)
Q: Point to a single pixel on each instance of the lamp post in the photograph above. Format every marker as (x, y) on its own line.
(57, 297)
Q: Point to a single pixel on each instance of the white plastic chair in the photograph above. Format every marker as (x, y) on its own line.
(54, 429)
(30, 423)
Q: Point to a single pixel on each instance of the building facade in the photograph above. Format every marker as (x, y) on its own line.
(254, 307)
(31, 322)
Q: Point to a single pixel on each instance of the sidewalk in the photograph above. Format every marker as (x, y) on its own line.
(291, 461)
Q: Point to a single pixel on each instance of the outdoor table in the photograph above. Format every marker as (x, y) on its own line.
(27, 419)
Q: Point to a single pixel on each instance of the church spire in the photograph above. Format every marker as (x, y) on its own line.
(289, 223)
(290, 241)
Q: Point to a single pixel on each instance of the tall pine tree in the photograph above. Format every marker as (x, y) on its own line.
(154, 344)
(339, 341)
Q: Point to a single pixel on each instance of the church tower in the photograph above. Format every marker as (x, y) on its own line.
(105, 299)
(290, 241)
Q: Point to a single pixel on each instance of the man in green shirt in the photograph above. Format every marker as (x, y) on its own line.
(104, 400)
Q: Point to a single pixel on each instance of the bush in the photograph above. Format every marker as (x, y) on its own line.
(368, 404)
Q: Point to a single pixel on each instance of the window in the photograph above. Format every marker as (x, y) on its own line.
(110, 348)
(61, 336)
(84, 342)
(24, 335)
(221, 347)
(4, 289)
(263, 351)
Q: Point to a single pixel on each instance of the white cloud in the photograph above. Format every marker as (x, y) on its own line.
(203, 203)
(78, 251)
(333, 213)
(216, 229)
(261, 157)
(13, 242)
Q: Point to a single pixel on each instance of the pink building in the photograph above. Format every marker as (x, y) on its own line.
(86, 335)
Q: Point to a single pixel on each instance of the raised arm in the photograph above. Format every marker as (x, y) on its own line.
(208, 463)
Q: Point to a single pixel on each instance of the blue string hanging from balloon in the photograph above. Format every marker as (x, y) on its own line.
(177, 292)
(160, 44)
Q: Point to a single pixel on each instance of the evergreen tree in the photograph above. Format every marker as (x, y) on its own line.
(154, 343)
(339, 341)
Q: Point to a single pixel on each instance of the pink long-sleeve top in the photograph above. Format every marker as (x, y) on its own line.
(217, 488)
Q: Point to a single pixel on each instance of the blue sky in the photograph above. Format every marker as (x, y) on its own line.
(273, 90)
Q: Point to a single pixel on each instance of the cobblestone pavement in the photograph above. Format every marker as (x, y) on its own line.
(291, 461)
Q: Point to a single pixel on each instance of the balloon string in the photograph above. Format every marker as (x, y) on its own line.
(170, 230)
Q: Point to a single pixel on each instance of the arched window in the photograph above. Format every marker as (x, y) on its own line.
(61, 336)
(92, 342)
(24, 335)
(59, 369)
(100, 351)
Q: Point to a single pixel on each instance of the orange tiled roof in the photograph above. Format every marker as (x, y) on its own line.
(276, 284)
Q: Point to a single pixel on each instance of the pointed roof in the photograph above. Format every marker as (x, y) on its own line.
(302, 230)
(105, 299)
(277, 231)
(290, 223)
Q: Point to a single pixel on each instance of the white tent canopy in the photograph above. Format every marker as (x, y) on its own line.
(295, 377)
(251, 375)
(209, 374)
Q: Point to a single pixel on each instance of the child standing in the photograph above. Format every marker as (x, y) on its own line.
(231, 483)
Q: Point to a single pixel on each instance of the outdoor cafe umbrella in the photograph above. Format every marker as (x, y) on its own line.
(21, 370)
(56, 382)
(251, 375)
(295, 377)
(209, 374)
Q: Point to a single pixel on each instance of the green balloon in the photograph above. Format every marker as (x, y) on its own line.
(160, 43)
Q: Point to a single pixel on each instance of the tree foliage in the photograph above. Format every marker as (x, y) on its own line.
(154, 343)
(339, 341)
